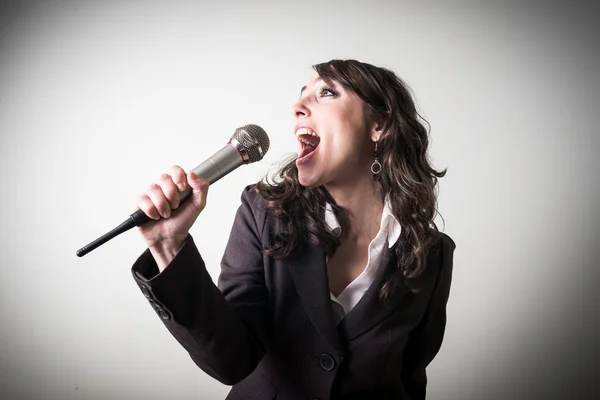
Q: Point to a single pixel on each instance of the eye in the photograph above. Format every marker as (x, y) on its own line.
(326, 92)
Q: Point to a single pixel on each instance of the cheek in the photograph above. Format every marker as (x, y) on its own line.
(344, 137)
(348, 140)
(341, 152)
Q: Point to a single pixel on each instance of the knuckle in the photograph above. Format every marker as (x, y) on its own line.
(153, 187)
(143, 201)
(164, 177)
(161, 203)
(174, 200)
(165, 212)
(146, 205)
(155, 197)
(164, 204)
(169, 190)
(177, 173)
(176, 170)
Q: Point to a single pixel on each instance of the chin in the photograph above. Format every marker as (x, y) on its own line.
(308, 183)
(307, 180)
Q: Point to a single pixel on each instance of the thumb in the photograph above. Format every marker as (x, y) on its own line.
(199, 189)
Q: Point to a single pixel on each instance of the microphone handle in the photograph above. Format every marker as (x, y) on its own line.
(211, 170)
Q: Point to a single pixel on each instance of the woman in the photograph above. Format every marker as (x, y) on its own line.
(335, 279)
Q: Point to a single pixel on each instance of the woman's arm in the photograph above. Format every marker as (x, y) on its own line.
(426, 339)
(224, 331)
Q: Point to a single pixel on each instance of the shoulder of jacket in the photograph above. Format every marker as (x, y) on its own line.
(447, 255)
(252, 198)
(441, 253)
(442, 243)
(254, 203)
(447, 241)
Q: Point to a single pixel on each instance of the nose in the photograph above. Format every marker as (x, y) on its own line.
(299, 109)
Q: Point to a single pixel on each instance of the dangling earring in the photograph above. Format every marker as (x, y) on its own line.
(376, 166)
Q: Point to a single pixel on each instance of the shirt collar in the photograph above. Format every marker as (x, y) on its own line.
(389, 223)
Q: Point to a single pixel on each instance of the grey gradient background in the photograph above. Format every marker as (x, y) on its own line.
(98, 98)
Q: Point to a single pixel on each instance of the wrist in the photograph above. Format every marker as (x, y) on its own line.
(164, 251)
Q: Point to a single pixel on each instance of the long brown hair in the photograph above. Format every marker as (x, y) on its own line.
(407, 176)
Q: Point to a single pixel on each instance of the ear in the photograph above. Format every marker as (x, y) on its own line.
(377, 129)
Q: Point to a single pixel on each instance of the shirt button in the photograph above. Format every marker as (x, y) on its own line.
(326, 362)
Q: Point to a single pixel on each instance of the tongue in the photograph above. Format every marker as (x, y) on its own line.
(306, 150)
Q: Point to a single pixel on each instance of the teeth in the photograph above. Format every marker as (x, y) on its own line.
(305, 131)
(306, 142)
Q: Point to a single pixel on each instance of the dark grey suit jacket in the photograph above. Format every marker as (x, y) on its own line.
(268, 328)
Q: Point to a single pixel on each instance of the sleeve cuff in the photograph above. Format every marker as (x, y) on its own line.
(145, 268)
(169, 291)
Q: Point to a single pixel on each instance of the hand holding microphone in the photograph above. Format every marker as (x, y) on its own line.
(248, 144)
(172, 218)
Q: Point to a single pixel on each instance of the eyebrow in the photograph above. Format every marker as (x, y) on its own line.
(304, 87)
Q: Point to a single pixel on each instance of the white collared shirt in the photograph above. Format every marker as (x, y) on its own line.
(389, 231)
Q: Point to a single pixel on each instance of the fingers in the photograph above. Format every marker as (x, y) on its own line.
(169, 190)
(160, 198)
(200, 187)
(196, 182)
(156, 195)
(147, 206)
(178, 176)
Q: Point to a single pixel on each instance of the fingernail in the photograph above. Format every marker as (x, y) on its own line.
(181, 186)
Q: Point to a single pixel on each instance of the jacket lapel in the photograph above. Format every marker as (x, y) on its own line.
(309, 273)
(370, 311)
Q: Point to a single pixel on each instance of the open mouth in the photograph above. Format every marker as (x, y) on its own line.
(309, 141)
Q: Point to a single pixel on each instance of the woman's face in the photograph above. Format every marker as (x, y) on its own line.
(334, 139)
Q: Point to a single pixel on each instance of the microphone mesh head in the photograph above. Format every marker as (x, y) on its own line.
(254, 139)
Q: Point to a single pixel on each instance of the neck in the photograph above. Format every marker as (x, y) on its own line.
(364, 206)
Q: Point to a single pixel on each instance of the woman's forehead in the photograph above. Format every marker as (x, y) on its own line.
(315, 80)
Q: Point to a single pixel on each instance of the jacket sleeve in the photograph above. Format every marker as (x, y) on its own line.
(426, 339)
(224, 329)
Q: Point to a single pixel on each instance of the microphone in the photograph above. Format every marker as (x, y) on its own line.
(248, 144)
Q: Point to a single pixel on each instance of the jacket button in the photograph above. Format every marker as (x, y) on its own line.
(145, 291)
(326, 362)
(163, 314)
